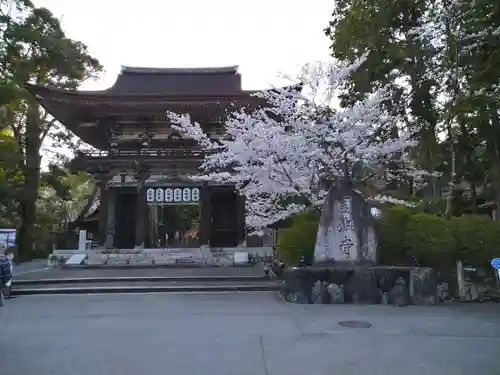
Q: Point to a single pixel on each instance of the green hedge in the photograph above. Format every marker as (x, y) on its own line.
(477, 239)
(403, 233)
(429, 238)
(299, 238)
(391, 231)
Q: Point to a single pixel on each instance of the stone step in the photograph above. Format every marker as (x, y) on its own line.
(145, 287)
(145, 265)
(141, 279)
(142, 273)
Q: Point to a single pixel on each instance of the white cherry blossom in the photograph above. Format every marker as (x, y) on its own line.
(285, 155)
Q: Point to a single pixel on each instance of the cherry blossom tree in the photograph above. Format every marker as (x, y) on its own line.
(285, 154)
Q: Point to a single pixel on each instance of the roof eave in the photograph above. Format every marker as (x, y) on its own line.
(39, 91)
(232, 69)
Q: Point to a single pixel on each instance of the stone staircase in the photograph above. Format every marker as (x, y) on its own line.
(156, 257)
(108, 285)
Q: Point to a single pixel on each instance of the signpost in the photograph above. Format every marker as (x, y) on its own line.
(495, 263)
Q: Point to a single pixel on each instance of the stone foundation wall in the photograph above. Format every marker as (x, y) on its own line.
(400, 286)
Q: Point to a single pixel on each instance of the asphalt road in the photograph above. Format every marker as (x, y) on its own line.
(241, 334)
(61, 273)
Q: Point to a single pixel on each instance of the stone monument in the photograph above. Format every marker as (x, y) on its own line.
(345, 268)
(346, 232)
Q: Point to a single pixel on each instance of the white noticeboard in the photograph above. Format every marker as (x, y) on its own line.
(76, 259)
(7, 238)
(240, 257)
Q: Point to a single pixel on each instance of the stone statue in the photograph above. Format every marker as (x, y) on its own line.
(346, 232)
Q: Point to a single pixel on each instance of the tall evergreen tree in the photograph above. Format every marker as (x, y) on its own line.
(35, 49)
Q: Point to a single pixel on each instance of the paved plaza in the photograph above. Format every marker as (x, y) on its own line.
(34, 266)
(241, 334)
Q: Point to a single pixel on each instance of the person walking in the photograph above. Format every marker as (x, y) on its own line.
(5, 275)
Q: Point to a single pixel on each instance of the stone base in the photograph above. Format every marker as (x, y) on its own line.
(338, 284)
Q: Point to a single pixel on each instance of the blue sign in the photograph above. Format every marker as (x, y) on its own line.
(495, 263)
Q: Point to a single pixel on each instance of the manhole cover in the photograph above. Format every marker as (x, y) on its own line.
(355, 324)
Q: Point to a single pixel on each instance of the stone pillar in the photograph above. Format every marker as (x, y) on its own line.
(110, 219)
(461, 280)
(242, 232)
(205, 218)
(82, 240)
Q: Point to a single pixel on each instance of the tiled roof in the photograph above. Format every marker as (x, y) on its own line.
(177, 81)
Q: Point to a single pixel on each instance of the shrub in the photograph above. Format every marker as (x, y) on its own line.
(433, 205)
(430, 239)
(476, 239)
(299, 238)
(434, 240)
(391, 230)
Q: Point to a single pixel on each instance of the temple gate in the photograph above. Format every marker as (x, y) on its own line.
(145, 196)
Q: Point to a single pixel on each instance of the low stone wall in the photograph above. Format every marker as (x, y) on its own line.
(400, 286)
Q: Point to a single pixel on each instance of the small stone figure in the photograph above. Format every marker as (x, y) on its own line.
(336, 293)
(443, 291)
(385, 298)
(399, 294)
(318, 292)
(296, 297)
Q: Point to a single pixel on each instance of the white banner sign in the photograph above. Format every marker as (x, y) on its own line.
(176, 195)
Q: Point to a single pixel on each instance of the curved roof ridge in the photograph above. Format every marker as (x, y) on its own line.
(202, 70)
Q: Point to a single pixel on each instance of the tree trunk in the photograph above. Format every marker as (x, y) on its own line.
(494, 146)
(473, 190)
(449, 211)
(26, 235)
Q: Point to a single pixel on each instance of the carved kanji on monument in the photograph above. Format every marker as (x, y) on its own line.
(346, 231)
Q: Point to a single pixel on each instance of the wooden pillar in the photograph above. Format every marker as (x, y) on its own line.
(242, 231)
(205, 217)
(103, 212)
(141, 211)
(153, 227)
(147, 223)
(110, 220)
(139, 214)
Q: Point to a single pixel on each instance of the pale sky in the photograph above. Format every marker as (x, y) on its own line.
(265, 38)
